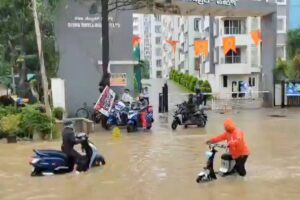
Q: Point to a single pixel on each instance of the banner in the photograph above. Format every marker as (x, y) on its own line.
(293, 89)
(256, 37)
(118, 79)
(105, 101)
(201, 48)
(173, 43)
(229, 43)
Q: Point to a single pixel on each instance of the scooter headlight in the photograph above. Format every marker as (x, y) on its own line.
(34, 161)
(208, 154)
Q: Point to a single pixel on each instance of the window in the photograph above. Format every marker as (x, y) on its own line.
(225, 81)
(135, 28)
(281, 52)
(234, 27)
(281, 24)
(158, 74)
(158, 63)
(232, 57)
(253, 82)
(135, 20)
(281, 2)
(197, 24)
(158, 52)
(157, 29)
(157, 40)
(157, 18)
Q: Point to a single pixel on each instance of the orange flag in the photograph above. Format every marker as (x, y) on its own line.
(136, 40)
(173, 44)
(201, 47)
(229, 43)
(256, 37)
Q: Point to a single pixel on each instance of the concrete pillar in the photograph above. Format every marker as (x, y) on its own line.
(211, 45)
(269, 40)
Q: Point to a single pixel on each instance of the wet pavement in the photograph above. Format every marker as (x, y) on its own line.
(163, 164)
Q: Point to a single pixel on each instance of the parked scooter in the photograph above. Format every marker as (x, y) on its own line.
(182, 117)
(227, 164)
(51, 162)
(118, 116)
(140, 118)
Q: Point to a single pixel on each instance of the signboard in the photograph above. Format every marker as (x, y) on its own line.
(218, 2)
(293, 89)
(105, 101)
(118, 79)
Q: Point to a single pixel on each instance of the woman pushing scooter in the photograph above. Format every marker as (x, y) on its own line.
(237, 145)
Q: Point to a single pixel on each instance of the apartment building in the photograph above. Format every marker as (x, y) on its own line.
(231, 71)
(149, 28)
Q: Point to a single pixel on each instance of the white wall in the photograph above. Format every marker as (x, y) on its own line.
(58, 93)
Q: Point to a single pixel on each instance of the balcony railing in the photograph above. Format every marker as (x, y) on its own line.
(234, 31)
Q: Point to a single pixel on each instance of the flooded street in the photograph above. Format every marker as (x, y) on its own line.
(163, 164)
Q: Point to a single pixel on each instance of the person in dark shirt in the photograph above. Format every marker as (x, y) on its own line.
(68, 142)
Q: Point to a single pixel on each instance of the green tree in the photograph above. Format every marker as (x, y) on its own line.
(17, 37)
(293, 42)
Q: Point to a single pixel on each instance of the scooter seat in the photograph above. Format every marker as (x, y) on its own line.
(226, 156)
(51, 153)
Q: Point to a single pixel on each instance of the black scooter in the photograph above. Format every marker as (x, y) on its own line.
(227, 164)
(182, 117)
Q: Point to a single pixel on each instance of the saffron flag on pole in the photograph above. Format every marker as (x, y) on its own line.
(173, 43)
(136, 40)
(229, 43)
(201, 47)
(256, 37)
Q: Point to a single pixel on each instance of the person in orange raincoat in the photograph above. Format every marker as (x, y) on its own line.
(237, 145)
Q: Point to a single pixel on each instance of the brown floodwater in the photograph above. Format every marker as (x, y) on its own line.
(163, 164)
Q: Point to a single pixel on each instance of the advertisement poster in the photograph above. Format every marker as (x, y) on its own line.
(293, 89)
(105, 101)
(118, 79)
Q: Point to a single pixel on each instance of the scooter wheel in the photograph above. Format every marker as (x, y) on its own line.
(202, 123)
(174, 125)
(199, 179)
(130, 128)
(36, 173)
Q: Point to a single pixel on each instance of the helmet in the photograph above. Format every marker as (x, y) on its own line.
(141, 96)
(69, 124)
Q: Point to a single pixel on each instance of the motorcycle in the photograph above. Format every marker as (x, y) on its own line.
(181, 117)
(51, 162)
(227, 164)
(140, 118)
(118, 116)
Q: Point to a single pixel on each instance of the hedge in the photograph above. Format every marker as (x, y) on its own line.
(189, 81)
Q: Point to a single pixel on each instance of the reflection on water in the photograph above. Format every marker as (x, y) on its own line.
(163, 165)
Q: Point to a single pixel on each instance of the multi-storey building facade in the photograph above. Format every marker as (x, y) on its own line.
(149, 28)
(231, 71)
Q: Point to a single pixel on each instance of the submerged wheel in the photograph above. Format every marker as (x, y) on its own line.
(104, 122)
(36, 173)
(202, 123)
(174, 125)
(130, 128)
(199, 179)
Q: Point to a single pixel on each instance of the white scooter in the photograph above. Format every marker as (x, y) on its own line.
(227, 164)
